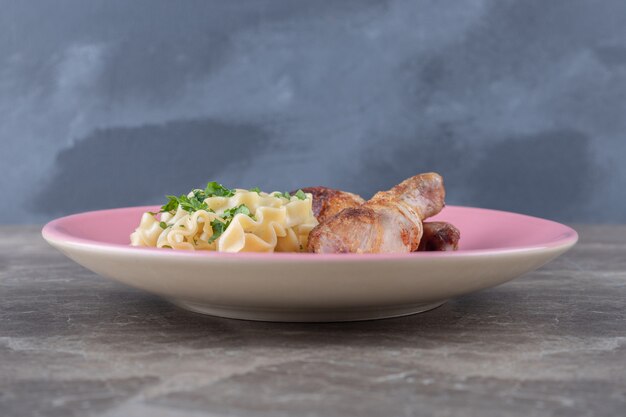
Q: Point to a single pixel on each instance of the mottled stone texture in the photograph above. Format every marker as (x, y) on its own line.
(520, 104)
(552, 343)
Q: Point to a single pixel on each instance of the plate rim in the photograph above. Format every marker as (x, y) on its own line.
(52, 232)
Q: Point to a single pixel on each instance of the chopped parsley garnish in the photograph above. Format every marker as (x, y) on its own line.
(256, 190)
(171, 205)
(196, 201)
(242, 208)
(300, 194)
(219, 227)
(283, 195)
(213, 189)
(163, 225)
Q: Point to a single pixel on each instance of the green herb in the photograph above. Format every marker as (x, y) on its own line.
(231, 212)
(214, 189)
(171, 205)
(282, 195)
(300, 194)
(218, 228)
(196, 201)
(256, 190)
(163, 225)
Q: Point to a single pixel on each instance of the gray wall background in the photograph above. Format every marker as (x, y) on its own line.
(521, 105)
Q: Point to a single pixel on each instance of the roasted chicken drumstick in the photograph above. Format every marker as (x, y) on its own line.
(439, 236)
(391, 221)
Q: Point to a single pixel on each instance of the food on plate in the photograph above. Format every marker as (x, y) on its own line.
(437, 236)
(312, 219)
(327, 201)
(390, 222)
(229, 220)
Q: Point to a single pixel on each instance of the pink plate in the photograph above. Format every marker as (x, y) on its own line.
(482, 231)
(495, 246)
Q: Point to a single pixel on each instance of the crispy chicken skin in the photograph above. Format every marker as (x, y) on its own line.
(439, 236)
(327, 201)
(390, 222)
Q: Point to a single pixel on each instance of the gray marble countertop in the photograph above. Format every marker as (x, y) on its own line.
(552, 343)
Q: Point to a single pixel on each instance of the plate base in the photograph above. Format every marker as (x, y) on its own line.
(303, 315)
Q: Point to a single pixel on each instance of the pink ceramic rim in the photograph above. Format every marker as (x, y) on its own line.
(54, 233)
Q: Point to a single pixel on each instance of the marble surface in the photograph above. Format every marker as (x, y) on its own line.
(552, 343)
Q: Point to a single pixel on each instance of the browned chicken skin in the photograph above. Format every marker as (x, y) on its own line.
(439, 236)
(390, 222)
(327, 201)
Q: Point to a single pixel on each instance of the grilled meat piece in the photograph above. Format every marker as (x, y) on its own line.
(390, 222)
(439, 236)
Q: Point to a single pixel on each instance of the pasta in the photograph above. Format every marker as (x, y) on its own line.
(219, 219)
